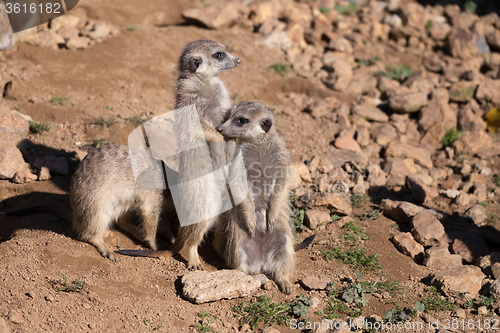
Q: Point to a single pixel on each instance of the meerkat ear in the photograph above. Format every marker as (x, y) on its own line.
(194, 63)
(266, 124)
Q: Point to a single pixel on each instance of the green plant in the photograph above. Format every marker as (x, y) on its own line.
(354, 258)
(207, 319)
(135, 120)
(498, 180)
(354, 233)
(269, 313)
(39, 128)
(334, 217)
(429, 24)
(131, 27)
(104, 122)
(58, 100)
(399, 73)
(357, 200)
(95, 143)
(324, 9)
(491, 218)
(297, 221)
(293, 197)
(436, 302)
(400, 314)
(470, 6)
(352, 6)
(281, 68)
(484, 204)
(67, 287)
(451, 136)
(368, 62)
(111, 108)
(149, 323)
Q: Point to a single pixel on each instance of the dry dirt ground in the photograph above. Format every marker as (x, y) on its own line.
(132, 74)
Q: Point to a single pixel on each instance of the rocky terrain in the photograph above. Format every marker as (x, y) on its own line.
(390, 111)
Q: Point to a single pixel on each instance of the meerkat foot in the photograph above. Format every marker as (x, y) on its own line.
(105, 251)
(194, 259)
(286, 286)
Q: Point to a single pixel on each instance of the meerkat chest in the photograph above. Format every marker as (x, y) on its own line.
(262, 172)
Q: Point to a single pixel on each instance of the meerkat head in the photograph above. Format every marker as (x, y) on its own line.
(206, 57)
(248, 121)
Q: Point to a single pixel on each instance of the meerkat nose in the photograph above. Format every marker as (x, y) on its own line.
(220, 130)
(238, 61)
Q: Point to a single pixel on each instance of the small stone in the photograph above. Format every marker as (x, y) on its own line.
(16, 90)
(421, 155)
(361, 84)
(482, 310)
(50, 298)
(3, 326)
(459, 280)
(86, 306)
(314, 217)
(462, 91)
(408, 103)
(420, 192)
(400, 211)
(268, 285)
(495, 289)
(493, 39)
(470, 246)
(44, 174)
(398, 169)
(12, 123)
(201, 287)
(347, 142)
(335, 203)
(55, 164)
(245, 328)
(370, 113)
(405, 243)
(459, 313)
(452, 194)
(11, 160)
(316, 282)
(341, 74)
(78, 43)
(262, 278)
(384, 134)
(427, 229)
(216, 16)
(66, 21)
(16, 317)
(22, 177)
(440, 257)
(270, 330)
(482, 45)
(472, 142)
(100, 31)
(495, 270)
(462, 43)
(477, 214)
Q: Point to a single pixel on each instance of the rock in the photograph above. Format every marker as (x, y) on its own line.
(16, 317)
(65, 21)
(469, 121)
(459, 313)
(16, 90)
(452, 194)
(262, 11)
(400, 150)
(201, 287)
(278, 39)
(13, 124)
(361, 84)
(493, 39)
(341, 74)
(370, 113)
(100, 31)
(270, 330)
(384, 134)
(477, 214)
(433, 64)
(216, 16)
(3, 326)
(400, 211)
(495, 270)
(408, 103)
(459, 280)
(53, 163)
(440, 31)
(397, 170)
(347, 142)
(470, 246)
(482, 45)
(323, 106)
(405, 243)
(462, 91)
(44, 174)
(11, 161)
(486, 262)
(316, 282)
(78, 43)
(495, 289)
(472, 142)
(314, 217)
(295, 178)
(462, 43)
(427, 229)
(420, 192)
(336, 203)
(363, 136)
(22, 177)
(439, 257)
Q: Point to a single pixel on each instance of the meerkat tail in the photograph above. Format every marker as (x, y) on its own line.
(145, 253)
(305, 243)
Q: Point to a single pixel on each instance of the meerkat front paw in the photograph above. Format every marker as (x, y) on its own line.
(272, 218)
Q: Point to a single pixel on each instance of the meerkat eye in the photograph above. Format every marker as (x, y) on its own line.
(241, 121)
(219, 55)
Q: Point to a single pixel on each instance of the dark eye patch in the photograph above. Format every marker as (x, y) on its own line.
(219, 55)
(241, 121)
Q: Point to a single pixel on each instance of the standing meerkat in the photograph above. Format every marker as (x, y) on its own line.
(104, 190)
(202, 103)
(267, 164)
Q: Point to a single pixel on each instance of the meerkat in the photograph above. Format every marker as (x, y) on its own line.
(202, 103)
(266, 160)
(104, 190)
